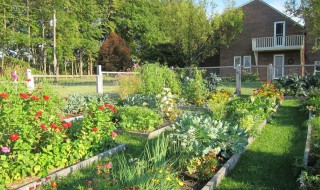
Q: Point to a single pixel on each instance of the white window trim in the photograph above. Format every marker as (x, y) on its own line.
(244, 61)
(234, 60)
(284, 28)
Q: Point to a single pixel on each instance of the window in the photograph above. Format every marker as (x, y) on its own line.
(317, 66)
(247, 62)
(236, 61)
(279, 33)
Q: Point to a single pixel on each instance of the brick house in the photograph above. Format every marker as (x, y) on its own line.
(268, 37)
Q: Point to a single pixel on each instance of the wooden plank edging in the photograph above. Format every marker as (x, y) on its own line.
(73, 168)
(306, 153)
(150, 135)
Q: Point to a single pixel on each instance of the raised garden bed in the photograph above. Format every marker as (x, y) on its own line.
(66, 171)
(150, 135)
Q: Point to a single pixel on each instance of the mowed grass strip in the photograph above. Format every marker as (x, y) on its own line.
(270, 161)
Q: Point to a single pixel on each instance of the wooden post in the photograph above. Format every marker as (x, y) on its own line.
(238, 80)
(99, 80)
(30, 83)
(270, 73)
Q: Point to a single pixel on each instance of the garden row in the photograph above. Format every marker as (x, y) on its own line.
(308, 86)
(33, 128)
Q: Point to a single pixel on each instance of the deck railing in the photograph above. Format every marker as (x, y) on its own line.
(278, 43)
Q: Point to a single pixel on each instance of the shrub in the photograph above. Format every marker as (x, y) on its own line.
(212, 82)
(140, 119)
(155, 77)
(194, 87)
(128, 84)
(249, 77)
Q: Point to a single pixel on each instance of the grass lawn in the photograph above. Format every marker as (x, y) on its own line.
(246, 87)
(269, 162)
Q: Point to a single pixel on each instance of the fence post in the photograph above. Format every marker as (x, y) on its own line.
(238, 80)
(30, 78)
(270, 73)
(99, 80)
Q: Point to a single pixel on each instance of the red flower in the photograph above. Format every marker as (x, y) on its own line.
(39, 113)
(35, 98)
(101, 108)
(109, 106)
(14, 136)
(4, 95)
(46, 98)
(66, 125)
(95, 129)
(43, 127)
(24, 95)
(115, 111)
(113, 134)
(54, 126)
(27, 79)
(58, 128)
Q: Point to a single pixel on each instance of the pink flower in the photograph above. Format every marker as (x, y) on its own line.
(108, 165)
(14, 76)
(5, 149)
(113, 134)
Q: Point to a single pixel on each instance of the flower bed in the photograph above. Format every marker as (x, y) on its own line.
(31, 129)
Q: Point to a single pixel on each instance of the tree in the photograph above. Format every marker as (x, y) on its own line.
(114, 54)
(309, 12)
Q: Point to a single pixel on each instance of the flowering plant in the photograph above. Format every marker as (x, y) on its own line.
(31, 129)
(167, 104)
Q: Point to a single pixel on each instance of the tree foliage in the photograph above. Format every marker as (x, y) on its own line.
(173, 32)
(309, 12)
(114, 54)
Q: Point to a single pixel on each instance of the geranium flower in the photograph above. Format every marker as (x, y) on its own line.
(5, 149)
(101, 108)
(43, 127)
(66, 125)
(46, 98)
(35, 98)
(14, 136)
(4, 95)
(113, 134)
(109, 106)
(94, 129)
(39, 113)
(24, 95)
(54, 126)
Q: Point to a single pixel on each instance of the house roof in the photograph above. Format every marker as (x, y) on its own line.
(273, 9)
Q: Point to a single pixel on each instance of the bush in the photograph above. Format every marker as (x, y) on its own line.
(155, 77)
(194, 87)
(217, 104)
(249, 77)
(128, 84)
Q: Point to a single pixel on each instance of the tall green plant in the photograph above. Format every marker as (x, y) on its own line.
(155, 77)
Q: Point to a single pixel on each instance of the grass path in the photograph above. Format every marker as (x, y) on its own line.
(269, 162)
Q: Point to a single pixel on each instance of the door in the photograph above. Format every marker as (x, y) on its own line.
(278, 63)
(279, 33)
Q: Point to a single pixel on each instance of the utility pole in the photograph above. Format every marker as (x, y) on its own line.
(29, 40)
(54, 46)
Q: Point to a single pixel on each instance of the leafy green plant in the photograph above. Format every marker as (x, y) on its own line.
(194, 87)
(249, 77)
(140, 119)
(76, 103)
(128, 84)
(217, 104)
(194, 136)
(212, 82)
(155, 77)
(150, 101)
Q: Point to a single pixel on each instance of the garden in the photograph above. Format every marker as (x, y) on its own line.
(201, 128)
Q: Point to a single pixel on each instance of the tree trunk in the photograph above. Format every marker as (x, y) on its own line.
(81, 64)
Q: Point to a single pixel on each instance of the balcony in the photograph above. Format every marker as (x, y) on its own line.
(294, 42)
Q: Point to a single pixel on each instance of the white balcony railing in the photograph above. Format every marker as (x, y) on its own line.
(278, 43)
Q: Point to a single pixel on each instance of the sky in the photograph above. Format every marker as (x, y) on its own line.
(278, 4)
